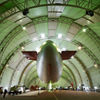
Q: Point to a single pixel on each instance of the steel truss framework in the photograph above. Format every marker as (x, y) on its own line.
(74, 43)
(82, 4)
(39, 20)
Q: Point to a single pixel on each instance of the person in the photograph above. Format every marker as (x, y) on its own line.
(4, 94)
(1, 91)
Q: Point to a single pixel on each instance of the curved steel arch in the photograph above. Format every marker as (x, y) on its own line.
(12, 53)
(36, 77)
(28, 66)
(3, 41)
(4, 47)
(95, 35)
(48, 5)
(24, 71)
(33, 77)
(10, 83)
(87, 51)
(77, 71)
(34, 71)
(29, 82)
(86, 71)
(65, 72)
(66, 76)
(72, 74)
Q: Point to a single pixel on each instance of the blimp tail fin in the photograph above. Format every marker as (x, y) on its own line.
(31, 55)
(67, 54)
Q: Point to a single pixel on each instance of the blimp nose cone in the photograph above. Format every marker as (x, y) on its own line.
(49, 41)
(49, 64)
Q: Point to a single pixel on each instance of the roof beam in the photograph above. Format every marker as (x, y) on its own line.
(86, 71)
(77, 70)
(24, 71)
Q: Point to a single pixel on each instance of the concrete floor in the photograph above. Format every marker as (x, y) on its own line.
(56, 95)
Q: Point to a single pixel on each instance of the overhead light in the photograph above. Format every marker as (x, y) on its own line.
(44, 43)
(83, 70)
(95, 87)
(72, 57)
(63, 49)
(58, 50)
(24, 28)
(88, 22)
(68, 39)
(59, 36)
(7, 65)
(42, 36)
(25, 11)
(95, 65)
(90, 12)
(38, 49)
(84, 30)
(79, 48)
(20, 20)
(34, 39)
(22, 48)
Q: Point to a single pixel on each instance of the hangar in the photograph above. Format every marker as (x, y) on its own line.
(70, 24)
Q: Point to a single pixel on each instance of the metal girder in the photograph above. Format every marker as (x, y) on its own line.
(10, 83)
(71, 73)
(17, 4)
(41, 19)
(4, 65)
(71, 77)
(36, 2)
(37, 77)
(66, 20)
(87, 51)
(10, 55)
(93, 36)
(58, 4)
(24, 71)
(44, 19)
(22, 6)
(77, 71)
(20, 19)
(4, 43)
(29, 82)
(88, 19)
(25, 81)
(79, 3)
(4, 2)
(28, 66)
(9, 13)
(86, 71)
(6, 40)
(3, 16)
(67, 80)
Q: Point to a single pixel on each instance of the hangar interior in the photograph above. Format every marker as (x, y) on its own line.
(70, 24)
